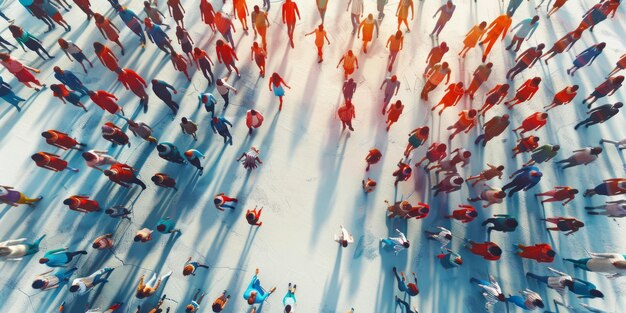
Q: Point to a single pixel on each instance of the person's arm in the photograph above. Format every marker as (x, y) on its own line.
(295, 6)
(604, 255)
(341, 60)
(439, 11)
(227, 122)
(348, 7)
(448, 76)
(532, 30)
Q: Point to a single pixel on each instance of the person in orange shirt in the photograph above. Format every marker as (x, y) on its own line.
(260, 23)
(465, 214)
(320, 35)
(488, 250)
(395, 43)
(51, 162)
(108, 30)
(289, 12)
(467, 121)
(565, 96)
(241, 10)
(472, 37)
(349, 62)
(403, 13)
(368, 26)
(525, 92)
(258, 55)
(123, 174)
(106, 56)
(224, 26)
(499, 26)
(542, 253)
(373, 157)
(346, 114)
(394, 113)
(226, 55)
(61, 140)
(452, 97)
(82, 204)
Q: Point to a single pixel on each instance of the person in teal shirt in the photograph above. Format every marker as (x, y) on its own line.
(543, 154)
(450, 259)
(133, 22)
(166, 226)
(255, 293)
(194, 156)
(209, 102)
(289, 300)
(59, 257)
(169, 152)
(526, 29)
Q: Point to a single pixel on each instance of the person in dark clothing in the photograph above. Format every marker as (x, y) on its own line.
(525, 178)
(493, 127)
(69, 79)
(501, 222)
(600, 114)
(220, 126)
(161, 90)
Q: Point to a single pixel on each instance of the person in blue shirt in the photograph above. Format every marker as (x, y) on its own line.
(513, 6)
(133, 22)
(582, 288)
(525, 178)
(58, 278)
(289, 300)
(59, 257)
(526, 29)
(161, 90)
(169, 152)
(158, 36)
(220, 126)
(255, 293)
(194, 156)
(194, 306)
(166, 226)
(209, 102)
(586, 57)
(450, 259)
(7, 94)
(69, 79)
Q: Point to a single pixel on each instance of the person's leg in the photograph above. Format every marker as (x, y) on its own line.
(98, 275)
(34, 247)
(6, 18)
(71, 255)
(581, 263)
(354, 18)
(151, 281)
(138, 182)
(517, 300)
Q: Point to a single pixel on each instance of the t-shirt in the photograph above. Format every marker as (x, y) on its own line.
(357, 7)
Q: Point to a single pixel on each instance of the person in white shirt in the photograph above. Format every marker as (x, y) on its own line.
(223, 88)
(45, 281)
(612, 264)
(17, 249)
(610, 209)
(558, 283)
(398, 243)
(96, 158)
(491, 195)
(356, 13)
(581, 156)
(344, 237)
(621, 145)
(83, 285)
(491, 291)
(444, 237)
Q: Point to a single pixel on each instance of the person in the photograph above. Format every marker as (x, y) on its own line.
(344, 237)
(220, 200)
(51, 162)
(133, 22)
(277, 82)
(208, 100)
(190, 267)
(250, 160)
(254, 120)
(110, 309)
(289, 12)
(220, 126)
(253, 216)
(563, 45)
(103, 242)
(491, 195)
(4, 42)
(185, 41)
(403, 209)
(223, 88)
(83, 285)
(488, 250)
(526, 144)
(436, 152)
(106, 56)
(85, 6)
(114, 134)
(143, 235)
(457, 156)
(417, 138)
(258, 55)
(346, 114)
(597, 14)
(527, 28)
(392, 86)
(45, 282)
(501, 222)
(193, 156)
(444, 236)
(607, 88)
(25, 38)
(472, 37)
(525, 60)
(320, 36)
(525, 92)
(14, 198)
(180, 63)
(61, 140)
(600, 114)
(135, 83)
(450, 183)
(189, 127)
(542, 154)
(467, 120)
(108, 29)
(21, 71)
(289, 300)
(162, 90)
(612, 264)
(82, 204)
(240, 8)
(368, 185)
(177, 11)
(403, 173)
(486, 175)
(529, 300)
(395, 43)
(586, 57)
(494, 97)
(260, 23)
(466, 214)
(106, 101)
(541, 253)
(611, 209)
(118, 211)
(373, 157)
(620, 145)
(533, 122)
(166, 226)
(410, 289)
(434, 77)
(480, 75)
(402, 12)
(620, 65)
(224, 25)
(453, 95)
(170, 152)
(435, 56)
(96, 158)
(491, 291)
(568, 225)
(17, 249)
(70, 79)
(66, 95)
(397, 243)
(59, 257)
(367, 25)
(123, 175)
(445, 14)
(356, 13)
(582, 288)
(51, 12)
(560, 193)
(145, 290)
(564, 96)
(394, 112)
(255, 294)
(158, 36)
(7, 94)
(609, 187)
(220, 303)
(164, 180)
(194, 306)
(525, 178)
(156, 16)
(499, 26)
(350, 61)
(141, 130)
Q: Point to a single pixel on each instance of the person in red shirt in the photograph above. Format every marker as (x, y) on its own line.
(368, 185)
(466, 214)
(450, 183)
(135, 83)
(394, 113)
(106, 56)
(61, 140)
(565, 96)
(560, 193)
(106, 101)
(123, 175)
(452, 97)
(254, 120)
(436, 152)
(373, 156)
(253, 216)
(82, 204)
(289, 12)
(226, 55)
(180, 63)
(494, 97)
(526, 144)
(66, 95)
(467, 121)
(488, 250)
(609, 187)
(51, 162)
(108, 29)
(525, 92)
(114, 134)
(85, 6)
(207, 14)
(346, 114)
(533, 122)
(541, 253)
(164, 180)
(403, 173)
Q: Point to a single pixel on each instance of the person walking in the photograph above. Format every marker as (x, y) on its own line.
(581, 157)
(59, 257)
(149, 288)
(82, 204)
(277, 82)
(193, 156)
(289, 12)
(83, 285)
(220, 126)
(170, 152)
(254, 120)
(164, 180)
(141, 130)
(499, 26)
(17, 249)
(189, 127)
(51, 162)
(123, 175)
(220, 200)
(162, 90)
(253, 216)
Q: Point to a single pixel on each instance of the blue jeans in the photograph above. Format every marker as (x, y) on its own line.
(518, 300)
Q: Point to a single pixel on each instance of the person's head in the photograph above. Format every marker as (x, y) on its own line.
(344, 243)
(472, 113)
(57, 70)
(596, 150)
(596, 293)
(43, 260)
(108, 211)
(494, 250)
(490, 65)
(219, 42)
(256, 8)
(458, 261)
(219, 82)
(37, 157)
(138, 238)
(16, 31)
(98, 47)
(618, 105)
(574, 88)
(538, 303)
(179, 30)
(536, 81)
(500, 194)
(189, 308)
(620, 264)
(448, 236)
(288, 306)
(46, 135)
(601, 46)
(215, 119)
(63, 43)
(88, 156)
(184, 120)
(444, 46)
(252, 298)
(482, 25)
(466, 154)
(370, 16)
(444, 65)
(543, 116)
(501, 297)
(459, 85)
(406, 244)
(350, 53)
(216, 307)
(146, 4)
(275, 77)
(398, 104)
(551, 253)
(157, 179)
(4, 56)
(148, 22)
(442, 147)
(536, 174)
(534, 138)
(510, 223)
(161, 148)
(573, 191)
(556, 148)
(187, 270)
(161, 227)
(424, 131)
(249, 216)
(108, 173)
(4, 251)
(504, 87)
(535, 19)
(458, 181)
(98, 18)
(578, 224)
(96, 245)
(68, 201)
(74, 288)
(540, 46)
(449, 3)
(500, 168)
(38, 284)
(509, 14)
(140, 295)
(472, 214)
(398, 34)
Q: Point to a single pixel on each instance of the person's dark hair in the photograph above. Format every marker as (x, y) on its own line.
(189, 308)
(161, 227)
(500, 194)
(500, 168)
(536, 80)
(67, 201)
(602, 45)
(288, 306)
(444, 65)
(467, 154)
(108, 211)
(490, 65)
(579, 224)
(219, 43)
(442, 147)
(249, 216)
(511, 222)
(38, 284)
(46, 134)
(538, 303)
(406, 244)
(88, 156)
(473, 213)
(107, 173)
(596, 150)
(448, 236)
(501, 297)
(618, 105)
(425, 130)
(95, 245)
(535, 18)
(161, 148)
(540, 46)
(574, 191)
(137, 238)
(458, 180)
(551, 253)
(36, 157)
(482, 25)
(344, 243)
(74, 288)
(495, 251)
(43, 260)
(596, 293)
(216, 307)
(471, 112)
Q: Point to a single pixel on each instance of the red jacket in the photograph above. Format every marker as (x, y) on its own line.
(533, 122)
(53, 161)
(84, 203)
(482, 250)
(166, 182)
(226, 54)
(463, 214)
(105, 101)
(123, 173)
(131, 79)
(60, 140)
(538, 252)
